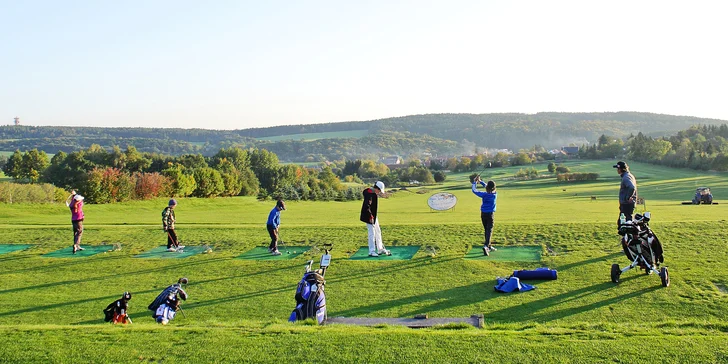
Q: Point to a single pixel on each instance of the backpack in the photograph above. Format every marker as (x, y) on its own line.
(310, 298)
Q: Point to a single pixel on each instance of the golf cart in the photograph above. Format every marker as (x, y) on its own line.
(703, 196)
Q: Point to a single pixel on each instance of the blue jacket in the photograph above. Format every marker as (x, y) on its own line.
(488, 198)
(274, 218)
(628, 188)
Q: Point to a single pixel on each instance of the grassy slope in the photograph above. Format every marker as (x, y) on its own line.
(316, 136)
(238, 308)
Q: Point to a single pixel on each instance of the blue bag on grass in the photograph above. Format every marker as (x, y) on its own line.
(511, 284)
(538, 273)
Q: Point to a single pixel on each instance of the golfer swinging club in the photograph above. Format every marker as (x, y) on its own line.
(369, 216)
(168, 221)
(76, 206)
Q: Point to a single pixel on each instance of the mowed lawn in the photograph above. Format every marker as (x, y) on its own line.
(50, 308)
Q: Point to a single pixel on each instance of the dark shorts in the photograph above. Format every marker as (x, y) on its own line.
(77, 226)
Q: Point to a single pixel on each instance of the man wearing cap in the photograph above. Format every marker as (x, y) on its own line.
(274, 221)
(627, 191)
(369, 216)
(76, 206)
(168, 221)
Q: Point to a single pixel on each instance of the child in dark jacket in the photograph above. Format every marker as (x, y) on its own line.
(487, 209)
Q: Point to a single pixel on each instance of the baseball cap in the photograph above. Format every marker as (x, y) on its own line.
(379, 185)
(172, 202)
(620, 164)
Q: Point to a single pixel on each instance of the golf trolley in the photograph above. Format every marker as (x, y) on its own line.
(642, 248)
(310, 295)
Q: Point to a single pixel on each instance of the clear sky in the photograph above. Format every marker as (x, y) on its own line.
(241, 64)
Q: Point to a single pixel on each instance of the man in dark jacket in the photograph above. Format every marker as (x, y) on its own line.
(369, 216)
(627, 191)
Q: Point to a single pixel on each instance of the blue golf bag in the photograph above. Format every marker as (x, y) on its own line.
(310, 293)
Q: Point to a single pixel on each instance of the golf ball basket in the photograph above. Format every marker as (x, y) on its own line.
(642, 248)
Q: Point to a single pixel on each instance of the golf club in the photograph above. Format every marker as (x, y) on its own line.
(282, 243)
(176, 243)
(179, 307)
(488, 165)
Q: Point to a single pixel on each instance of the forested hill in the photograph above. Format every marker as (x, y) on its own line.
(435, 133)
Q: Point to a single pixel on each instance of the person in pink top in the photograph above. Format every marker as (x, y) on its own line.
(76, 207)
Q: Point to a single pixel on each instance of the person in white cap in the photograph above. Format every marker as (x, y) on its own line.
(369, 216)
(76, 206)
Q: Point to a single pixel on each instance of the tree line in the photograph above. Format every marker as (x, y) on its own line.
(701, 147)
(117, 175)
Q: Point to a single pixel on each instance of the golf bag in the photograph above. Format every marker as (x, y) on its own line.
(310, 298)
(638, 232)
(167, 303)
(310, 293)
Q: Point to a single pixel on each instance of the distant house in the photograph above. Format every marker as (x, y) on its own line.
(392, 159)
(571, 151)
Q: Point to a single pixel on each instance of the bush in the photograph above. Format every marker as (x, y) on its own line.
(151, 185)
(562, 169)
(439, 176)
(571, 177)
(31, 193)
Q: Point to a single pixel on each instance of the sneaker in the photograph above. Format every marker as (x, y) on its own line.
(276, 252)
(74, 249)
(486, 251)
(80, 248)
(492, 248)
(384, 252)
(373, 254)
(180, 247)
(172, 249)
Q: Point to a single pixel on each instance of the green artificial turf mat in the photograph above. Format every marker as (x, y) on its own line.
(161, 252)
(528, 253)
(88, 251)
(261, 253)
(398, 253)
(9, 248)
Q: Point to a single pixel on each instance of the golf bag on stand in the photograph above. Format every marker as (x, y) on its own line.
(310, 293)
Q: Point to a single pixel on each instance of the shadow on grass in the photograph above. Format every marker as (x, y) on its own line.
(446, 299)
(116, 296)
(543, 310)
(67, 262)
(588, 261)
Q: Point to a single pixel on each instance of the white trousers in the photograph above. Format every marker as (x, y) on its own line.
(375, 237)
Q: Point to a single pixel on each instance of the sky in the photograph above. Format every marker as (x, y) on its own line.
(243, 64)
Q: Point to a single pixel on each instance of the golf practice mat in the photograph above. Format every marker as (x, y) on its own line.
(161, 252)
(527, 253)
(262, 253)
(9, 248)
(88, 250)
(398, 253)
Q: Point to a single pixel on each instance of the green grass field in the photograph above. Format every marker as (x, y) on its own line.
(316, 136)
(50, 308)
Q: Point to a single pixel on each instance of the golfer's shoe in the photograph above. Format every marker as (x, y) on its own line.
(74, 249)
(373, 254)
(276, 252)
(171, 249)
(180, 247)
(486, 251)
(384, 252)
(80, 248)
(492, 248)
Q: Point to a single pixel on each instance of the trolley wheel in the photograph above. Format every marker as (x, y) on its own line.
(616, 272)
(665, 277)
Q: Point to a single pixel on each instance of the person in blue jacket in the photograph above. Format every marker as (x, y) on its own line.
(274, 221)
(487, 209)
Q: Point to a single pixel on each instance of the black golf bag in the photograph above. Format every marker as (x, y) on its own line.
(310, 293)
(638, 232)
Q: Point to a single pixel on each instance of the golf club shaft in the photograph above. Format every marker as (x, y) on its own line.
(182, 312)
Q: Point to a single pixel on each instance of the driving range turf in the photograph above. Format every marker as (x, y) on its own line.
(50, 308)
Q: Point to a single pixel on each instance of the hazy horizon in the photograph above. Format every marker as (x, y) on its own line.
(243, 64)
